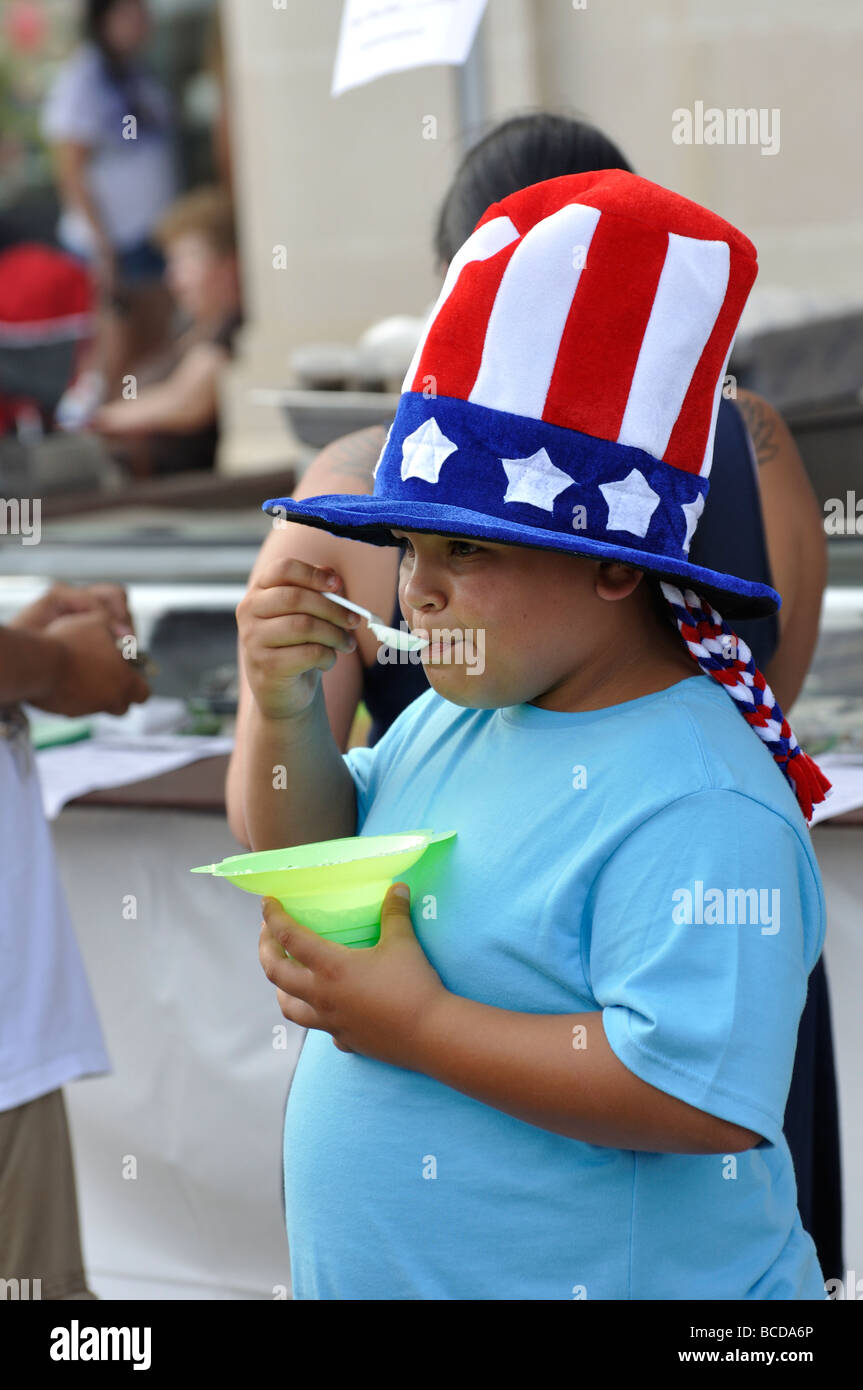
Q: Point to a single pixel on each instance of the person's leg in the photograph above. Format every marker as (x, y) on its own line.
(147, 303)
(112, 347)
(149, 321)
(39, 1233)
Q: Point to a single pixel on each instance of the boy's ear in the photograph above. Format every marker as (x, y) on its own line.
(615, 580)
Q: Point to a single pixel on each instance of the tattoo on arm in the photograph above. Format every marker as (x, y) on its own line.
(761, 427)
(355, 456)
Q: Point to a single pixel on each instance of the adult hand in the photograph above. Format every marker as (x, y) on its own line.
(375, 1001)
(63, 599)
(92, 676)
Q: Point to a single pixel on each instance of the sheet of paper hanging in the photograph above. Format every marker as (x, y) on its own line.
(845, 771)
(376, 39)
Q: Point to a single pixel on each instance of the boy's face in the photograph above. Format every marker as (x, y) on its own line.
(536, 617)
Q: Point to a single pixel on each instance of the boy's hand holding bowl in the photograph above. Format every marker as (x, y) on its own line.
(377, 1002)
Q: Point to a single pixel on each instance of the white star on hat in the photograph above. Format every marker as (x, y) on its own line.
(692, 511)
(631, 503)
(383, 451)
(425, 451)
(535, 480)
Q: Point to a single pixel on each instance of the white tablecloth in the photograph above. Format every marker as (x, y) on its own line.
(198, 1092)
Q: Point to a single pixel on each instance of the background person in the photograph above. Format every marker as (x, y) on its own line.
(175, 413)
(109, 122)
(60, 655)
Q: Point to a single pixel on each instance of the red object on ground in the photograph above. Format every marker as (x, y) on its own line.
(44, 295)
(46, 300)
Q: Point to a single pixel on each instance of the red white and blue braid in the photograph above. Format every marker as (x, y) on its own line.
(723, 655)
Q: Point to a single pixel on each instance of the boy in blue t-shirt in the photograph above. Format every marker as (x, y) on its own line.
(564, 1074)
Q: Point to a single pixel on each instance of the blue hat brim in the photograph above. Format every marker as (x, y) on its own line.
(370, 519)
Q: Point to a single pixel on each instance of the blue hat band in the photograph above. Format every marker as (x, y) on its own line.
(446, 452)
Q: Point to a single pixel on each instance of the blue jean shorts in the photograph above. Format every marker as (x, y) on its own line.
(140, 263)
(136, 266)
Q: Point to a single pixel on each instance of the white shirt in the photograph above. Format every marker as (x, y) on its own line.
(49, 1030)
(132, 180)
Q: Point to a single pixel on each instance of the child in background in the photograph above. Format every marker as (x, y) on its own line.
(176, 401)
(566, 1077)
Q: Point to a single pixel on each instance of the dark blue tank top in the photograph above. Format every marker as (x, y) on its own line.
(729, 538)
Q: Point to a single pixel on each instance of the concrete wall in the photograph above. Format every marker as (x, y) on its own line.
(629, 65)
(350, 186)
(347, 187)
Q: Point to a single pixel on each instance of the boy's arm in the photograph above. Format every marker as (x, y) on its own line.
(344, 466)
(680, 991)
(296, 788)
(558, 1071)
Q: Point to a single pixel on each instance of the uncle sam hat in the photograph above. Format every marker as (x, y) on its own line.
(564, 396)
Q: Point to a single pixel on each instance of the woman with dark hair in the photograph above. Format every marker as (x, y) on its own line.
(521, 151)
(108, 120)
(761, 521)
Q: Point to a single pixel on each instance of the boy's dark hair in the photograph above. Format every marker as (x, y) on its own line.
(521, 151)
(661, 607)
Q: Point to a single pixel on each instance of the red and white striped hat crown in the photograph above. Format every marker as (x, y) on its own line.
(596, 302)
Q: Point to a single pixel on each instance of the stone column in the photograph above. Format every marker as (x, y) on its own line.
(336, 202)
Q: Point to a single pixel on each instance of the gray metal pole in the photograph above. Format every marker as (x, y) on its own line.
(471, 91)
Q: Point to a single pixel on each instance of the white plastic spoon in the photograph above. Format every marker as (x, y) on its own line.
(401, 641)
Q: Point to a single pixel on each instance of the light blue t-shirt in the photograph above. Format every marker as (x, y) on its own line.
(648, 860)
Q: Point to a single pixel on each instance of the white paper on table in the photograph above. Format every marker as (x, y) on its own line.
(97, 763)
(845, 771)
(377, 38)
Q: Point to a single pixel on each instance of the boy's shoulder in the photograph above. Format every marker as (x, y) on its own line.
(686, 739)
(726, 747)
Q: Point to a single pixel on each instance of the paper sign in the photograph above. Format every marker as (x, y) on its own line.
(378, 37)
(845, 771)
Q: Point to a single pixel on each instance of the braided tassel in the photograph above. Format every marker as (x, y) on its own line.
(726, 657)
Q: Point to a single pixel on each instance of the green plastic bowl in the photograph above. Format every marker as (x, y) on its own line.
(334, 887)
